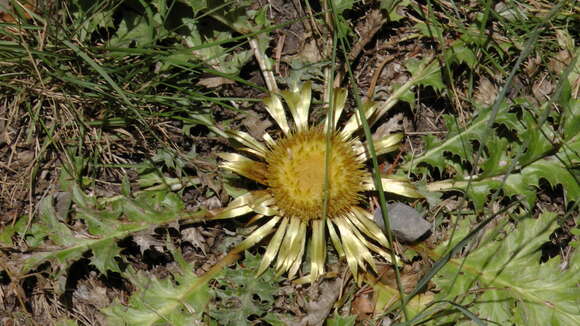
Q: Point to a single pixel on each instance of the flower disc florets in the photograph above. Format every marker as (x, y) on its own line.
(295, 176)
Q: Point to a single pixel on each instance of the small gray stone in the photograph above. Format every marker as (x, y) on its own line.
(407, 224)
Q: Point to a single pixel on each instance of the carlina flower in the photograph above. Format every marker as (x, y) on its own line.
(291, 172)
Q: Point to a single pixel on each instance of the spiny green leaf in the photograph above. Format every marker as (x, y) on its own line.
(426, 73)
(571, 118)
(104, 253)
(149, 209)
(66, 322)
(576, 233)
(9, 231)
(394, 7)
(177, 300)
(550, 169)
(432, 29)
(341, 5)
(341, 321)
(62, 235)
(196, 5)
(71, 246)
(527, 155)
(461, 53)
(153, 206)
(138, 30)
(523, 182)
(497, 157)
(458, 142)
(240, 294)
(473, 35)
(504, 282)
(213, 55)
(88, 19)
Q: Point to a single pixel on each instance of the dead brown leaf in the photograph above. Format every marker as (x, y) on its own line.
(318, 309)
(560, 61)
(310, 53)
(363, 306)
(393, 125)
(256, 125)
(215, 81)
(195, 237)
(145, 240)
(542, 88)
(486, 93)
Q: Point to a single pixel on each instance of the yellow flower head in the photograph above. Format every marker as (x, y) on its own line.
(292, 170)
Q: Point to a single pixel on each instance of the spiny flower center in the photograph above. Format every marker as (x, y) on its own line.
(296, 175)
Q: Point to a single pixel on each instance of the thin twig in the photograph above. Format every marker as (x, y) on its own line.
(377, 74)
(264, 66)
